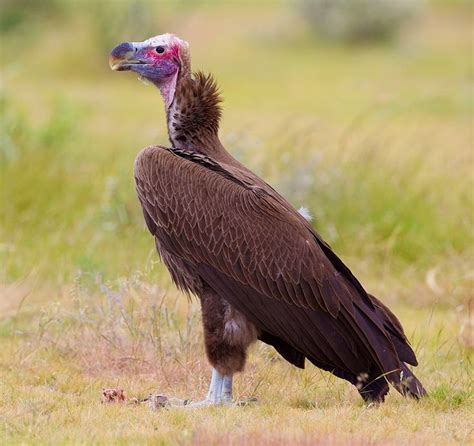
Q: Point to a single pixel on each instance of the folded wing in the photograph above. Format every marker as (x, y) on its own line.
(252, 246)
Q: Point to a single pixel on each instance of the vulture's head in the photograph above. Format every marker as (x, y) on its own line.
(160, 60)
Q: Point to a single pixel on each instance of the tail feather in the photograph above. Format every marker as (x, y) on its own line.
(374, 389)
(375, 386)
(395, 330)
(409, 383)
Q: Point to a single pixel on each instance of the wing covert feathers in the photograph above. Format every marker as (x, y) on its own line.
(218, 219)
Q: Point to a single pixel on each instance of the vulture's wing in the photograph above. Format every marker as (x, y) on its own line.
(256, 249)
(218, 219)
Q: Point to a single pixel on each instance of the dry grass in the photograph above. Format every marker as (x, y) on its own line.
(135, 336)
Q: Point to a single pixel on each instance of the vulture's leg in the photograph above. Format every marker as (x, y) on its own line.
(227, 335)
(226, 394)
(214, 395)
(220, 389)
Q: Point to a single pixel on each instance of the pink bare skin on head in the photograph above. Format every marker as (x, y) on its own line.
(160, 60)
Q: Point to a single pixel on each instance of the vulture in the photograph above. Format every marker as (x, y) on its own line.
(259, 269)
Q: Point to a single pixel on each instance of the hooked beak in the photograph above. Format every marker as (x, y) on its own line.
(123, 56)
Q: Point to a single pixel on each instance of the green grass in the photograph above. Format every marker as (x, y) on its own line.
(375, 140)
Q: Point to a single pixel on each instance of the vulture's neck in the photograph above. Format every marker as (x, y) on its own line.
(193, 116)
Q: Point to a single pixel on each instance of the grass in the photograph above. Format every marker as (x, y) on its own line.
(376, 140)
(138, 337)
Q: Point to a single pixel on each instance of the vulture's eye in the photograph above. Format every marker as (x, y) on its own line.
(160, 49)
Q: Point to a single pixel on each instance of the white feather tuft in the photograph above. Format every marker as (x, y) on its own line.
(305, 213)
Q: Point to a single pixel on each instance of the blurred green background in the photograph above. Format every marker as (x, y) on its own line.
(371, 130)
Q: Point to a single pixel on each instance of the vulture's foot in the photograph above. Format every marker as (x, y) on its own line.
(220, 393)
(208, 403)
(223, 402)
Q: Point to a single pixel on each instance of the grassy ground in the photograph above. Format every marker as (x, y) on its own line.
(375, 139)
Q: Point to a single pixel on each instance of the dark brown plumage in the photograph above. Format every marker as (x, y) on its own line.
(259, 268)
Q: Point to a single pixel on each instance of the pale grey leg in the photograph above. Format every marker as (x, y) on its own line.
(220, 391)
(215, 388)
(226, 394)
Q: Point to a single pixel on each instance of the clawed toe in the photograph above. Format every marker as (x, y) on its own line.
(157, 402)
(226, 402)
(250, 400)
(203, 404)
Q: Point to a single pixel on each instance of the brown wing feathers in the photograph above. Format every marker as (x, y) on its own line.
(253, 248)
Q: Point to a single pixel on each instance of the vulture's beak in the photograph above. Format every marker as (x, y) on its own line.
(123, 56)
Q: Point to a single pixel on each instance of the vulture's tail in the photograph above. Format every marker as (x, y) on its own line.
(376, 385)
(374, 389)
(409, 383)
